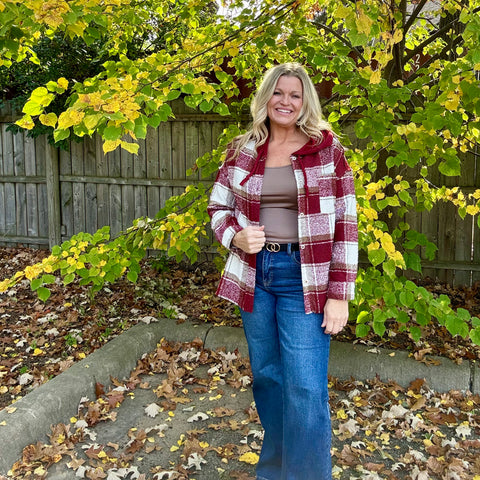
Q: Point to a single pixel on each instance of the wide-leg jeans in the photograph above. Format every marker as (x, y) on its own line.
(289, 356)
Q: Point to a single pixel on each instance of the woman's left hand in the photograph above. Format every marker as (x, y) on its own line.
(335, 316)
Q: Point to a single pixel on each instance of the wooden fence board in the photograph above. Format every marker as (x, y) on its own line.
(3, 227)
(66, 196)
(152, 170)
(103, 216)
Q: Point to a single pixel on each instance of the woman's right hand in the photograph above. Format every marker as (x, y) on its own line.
(251, 239)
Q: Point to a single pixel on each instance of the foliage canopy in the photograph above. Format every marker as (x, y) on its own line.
(405, 73)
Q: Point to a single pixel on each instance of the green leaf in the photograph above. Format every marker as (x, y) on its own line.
(43, 294)
(376, 257)
(475, 335)
(61, 134)
(132, 276)
(413, 261)
(450, 167)
(390, 299)
(140, 128)
(188, 88)
(112, 132)
(390, 268)
(173, 95)
(206, 106)
(416, 333)
(363, 316)
(379, 328)
(47, 278)
(36, 283)
(221, 109)
(71, 277)
(456, 326)
(362, 330)
(406, 298)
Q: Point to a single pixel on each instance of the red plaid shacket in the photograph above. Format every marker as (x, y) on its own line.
(327, 221)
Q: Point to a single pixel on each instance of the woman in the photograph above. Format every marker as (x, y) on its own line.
(284, 205)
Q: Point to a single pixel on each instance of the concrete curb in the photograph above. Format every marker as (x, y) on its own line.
(362, 362)
(57, 400)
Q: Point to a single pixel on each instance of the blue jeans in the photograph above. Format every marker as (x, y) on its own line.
(289, 356)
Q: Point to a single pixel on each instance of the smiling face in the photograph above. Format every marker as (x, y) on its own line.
(284, 108)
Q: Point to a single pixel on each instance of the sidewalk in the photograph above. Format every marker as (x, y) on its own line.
(57, 401)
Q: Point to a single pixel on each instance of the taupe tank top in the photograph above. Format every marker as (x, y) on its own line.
(278, 205)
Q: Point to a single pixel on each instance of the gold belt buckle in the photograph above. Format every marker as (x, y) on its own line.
(272, 247)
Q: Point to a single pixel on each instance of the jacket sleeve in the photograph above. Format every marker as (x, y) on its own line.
(221, 208)
(344, 263)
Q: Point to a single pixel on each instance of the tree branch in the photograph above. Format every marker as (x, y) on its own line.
(438, 33)
(413, 16)
(343, 40)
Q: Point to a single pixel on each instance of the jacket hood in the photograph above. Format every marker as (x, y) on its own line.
(313, 146)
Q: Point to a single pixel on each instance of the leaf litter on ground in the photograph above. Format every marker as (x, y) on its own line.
(380, 430)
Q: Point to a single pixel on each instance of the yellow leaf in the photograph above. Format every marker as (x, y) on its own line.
(3, 390)
(91, 121)
(37, 352)
(110, 145)
(453, 101)
(249, 457)
(364, 23)
(376, 77)
(130, 147)
(472, 209)
(342, 12)
(69, 118)
(25, 122)
(341, 415)
(50, 119)
(40, 471)
(62, 83)
(397, 36)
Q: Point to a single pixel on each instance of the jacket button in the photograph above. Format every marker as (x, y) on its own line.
(302, 247)
(293, 157)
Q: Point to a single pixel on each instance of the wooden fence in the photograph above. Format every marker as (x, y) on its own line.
(47, 195)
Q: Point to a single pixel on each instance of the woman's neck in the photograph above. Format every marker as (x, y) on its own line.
(279, 135)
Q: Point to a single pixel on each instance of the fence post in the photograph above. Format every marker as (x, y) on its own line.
(53, 195)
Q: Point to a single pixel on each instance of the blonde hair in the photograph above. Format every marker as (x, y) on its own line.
(310, 121)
